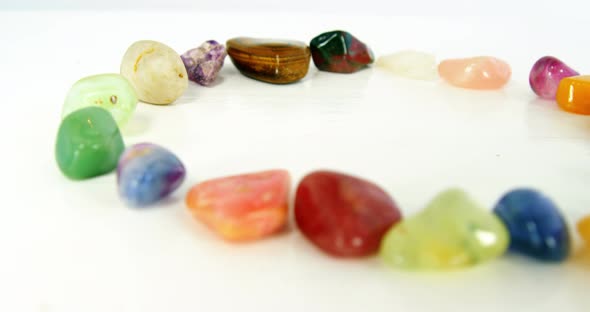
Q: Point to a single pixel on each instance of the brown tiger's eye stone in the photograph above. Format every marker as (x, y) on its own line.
(269, 60)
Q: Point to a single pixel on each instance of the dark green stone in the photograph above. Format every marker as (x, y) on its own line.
(340, 52)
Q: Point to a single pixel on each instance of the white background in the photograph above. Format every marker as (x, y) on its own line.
(558, 12)
(73, 246)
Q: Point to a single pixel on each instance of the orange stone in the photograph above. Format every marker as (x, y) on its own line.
(482, 72)
(584, 229)
(243, 207)
(573, 94)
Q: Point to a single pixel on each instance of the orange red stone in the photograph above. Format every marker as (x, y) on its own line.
(482, 72)
(242, 207)
(573, 94)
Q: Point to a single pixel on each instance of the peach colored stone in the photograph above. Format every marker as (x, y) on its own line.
(243, 207)
(482, 72)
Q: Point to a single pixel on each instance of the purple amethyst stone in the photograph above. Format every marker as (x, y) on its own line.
(203, 63)
(546, 75)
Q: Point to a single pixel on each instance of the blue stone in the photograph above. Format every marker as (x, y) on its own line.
(147, 173)
(536, 226)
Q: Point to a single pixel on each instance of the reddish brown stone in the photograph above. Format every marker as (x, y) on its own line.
(343, 215)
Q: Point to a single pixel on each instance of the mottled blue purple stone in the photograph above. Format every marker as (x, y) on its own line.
(203, 63)
(147, 173)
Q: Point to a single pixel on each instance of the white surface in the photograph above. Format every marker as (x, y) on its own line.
(560, 12)
(73, 246)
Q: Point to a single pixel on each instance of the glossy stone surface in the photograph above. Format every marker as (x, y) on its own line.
(453, 231)
(546, 74)
(410, 64)
(340, 52)
(204, 62)
(147, 173)
(244, 207)
(110, 91)
(481, 73)
(537, 228)
(573, 94)
(584, 230)
(270, 60)
(88, 143)
(343, 215)
(156, 72)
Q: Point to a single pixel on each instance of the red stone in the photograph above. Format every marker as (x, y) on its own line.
(343, 215)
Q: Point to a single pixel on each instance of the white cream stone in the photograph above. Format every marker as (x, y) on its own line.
(156, 72)
(410, 64)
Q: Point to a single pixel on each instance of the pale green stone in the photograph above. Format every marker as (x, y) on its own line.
(453, 231)
(110, 91)
(410, 64)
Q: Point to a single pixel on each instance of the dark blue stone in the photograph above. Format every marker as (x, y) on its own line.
(536, 226)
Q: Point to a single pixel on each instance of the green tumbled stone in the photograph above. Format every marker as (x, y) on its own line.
(112, 92)
(340, 52)
(88, 143)
(453, 231)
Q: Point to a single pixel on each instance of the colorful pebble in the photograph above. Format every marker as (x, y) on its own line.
(546, 74)
(573, 94)
(452, 232)
(537, 228)
(480, 73)
(244, 207)
(204, 62)
(88, 143)
(147, 173)
(584, 230)
(269, 60)
(343, 215)
(340, 52)
(410, 64)
(156, 72)
(110, 91)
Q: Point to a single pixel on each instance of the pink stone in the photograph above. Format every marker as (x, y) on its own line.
(343, 215)
(243, 207)
(546, 75)
(482, 72)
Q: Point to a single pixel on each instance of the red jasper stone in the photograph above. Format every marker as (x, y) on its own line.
(343, 215)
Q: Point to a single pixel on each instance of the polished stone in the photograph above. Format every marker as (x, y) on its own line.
(270, 60)
(410, 64)
(537, 228)
(147, 173)
(344, 216)
(88, 143)
(546, 74)
(244, 207)
(584, 230)
(453, 231)
(156, 72)
(340, 52)
(480, 73)
(110, 91)
(204, 62)
(573, 94)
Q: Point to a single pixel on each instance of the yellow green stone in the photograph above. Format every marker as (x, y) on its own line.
(112, 92)
(453, 231)
(88, 143)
